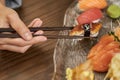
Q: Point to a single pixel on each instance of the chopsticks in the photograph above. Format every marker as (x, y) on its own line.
(15, 35)
(34, 29)
(48, 36)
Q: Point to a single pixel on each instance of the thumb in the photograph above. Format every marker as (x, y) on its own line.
(18, 25)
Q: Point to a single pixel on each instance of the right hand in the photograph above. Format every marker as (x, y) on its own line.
(9, 17)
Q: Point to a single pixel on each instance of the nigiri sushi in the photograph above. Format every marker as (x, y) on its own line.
(79, 30)
(89, 24)
(88, 4)
(90, 16)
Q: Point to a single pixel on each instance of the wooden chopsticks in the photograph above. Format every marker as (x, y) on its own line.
(15, 35)
(34, 29)
(48, 36)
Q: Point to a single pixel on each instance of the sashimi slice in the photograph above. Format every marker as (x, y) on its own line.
(88, 4)
(89, 16)
(101, 62)
(106, 48)
(105, 40)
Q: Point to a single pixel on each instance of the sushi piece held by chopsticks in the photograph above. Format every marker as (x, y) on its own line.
(79, 31)
(89, 23)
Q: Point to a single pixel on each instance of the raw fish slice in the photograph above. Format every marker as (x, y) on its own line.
(88, 4)
(101, 62)
(99, 65)
(103, 57)
(105, 40)
(106, 48)
(89, 16)
(109, 47)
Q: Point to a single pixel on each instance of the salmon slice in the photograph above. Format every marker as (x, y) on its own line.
(101, 61)
(105, 40)
(100, 65)
(88, 4)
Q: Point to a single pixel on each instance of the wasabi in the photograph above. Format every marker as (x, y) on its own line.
(113, 11)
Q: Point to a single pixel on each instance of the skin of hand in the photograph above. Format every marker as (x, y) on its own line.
(9, 17)
(2, 2)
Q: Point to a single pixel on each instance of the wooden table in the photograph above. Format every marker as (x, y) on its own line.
(37, 62)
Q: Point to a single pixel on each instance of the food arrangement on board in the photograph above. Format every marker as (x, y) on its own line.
(105, 54)
(89, 23)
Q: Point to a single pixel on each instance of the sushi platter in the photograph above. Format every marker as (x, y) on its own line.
(94, 58)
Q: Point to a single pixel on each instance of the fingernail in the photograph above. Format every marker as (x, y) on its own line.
(39, 32)
(28, 36)
(44, 39)
(37, 24)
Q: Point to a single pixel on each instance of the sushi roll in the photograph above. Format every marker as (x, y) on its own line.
(89, 23)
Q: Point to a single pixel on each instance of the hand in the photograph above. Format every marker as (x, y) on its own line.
(8, 17)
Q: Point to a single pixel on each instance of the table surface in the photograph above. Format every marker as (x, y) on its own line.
(37, 62)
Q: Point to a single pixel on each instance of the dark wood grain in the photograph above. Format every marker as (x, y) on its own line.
(37, 62)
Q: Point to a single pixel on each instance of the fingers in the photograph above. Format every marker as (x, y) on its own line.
(39, 32)
(19, 26)
(21, 42)
(3, 23)
(35, 23)
(15, 48)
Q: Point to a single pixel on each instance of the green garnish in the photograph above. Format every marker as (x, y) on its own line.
(113, 11)
(115, 37)
(111, 33)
